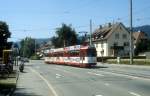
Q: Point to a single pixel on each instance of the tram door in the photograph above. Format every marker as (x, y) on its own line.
(82, 56)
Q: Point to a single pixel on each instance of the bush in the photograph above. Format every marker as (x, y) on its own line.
(35, 57)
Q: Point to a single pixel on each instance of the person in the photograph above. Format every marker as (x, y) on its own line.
(21, 67)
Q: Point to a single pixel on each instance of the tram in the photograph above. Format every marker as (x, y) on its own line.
(78, 55)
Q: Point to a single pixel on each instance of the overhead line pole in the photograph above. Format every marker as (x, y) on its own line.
(90, 32)
(131, 40)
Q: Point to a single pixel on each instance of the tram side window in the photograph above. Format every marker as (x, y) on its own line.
(73, 53)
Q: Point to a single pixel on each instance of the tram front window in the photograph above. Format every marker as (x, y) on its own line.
(91, 52)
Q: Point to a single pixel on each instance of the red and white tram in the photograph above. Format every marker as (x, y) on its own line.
(81, 56)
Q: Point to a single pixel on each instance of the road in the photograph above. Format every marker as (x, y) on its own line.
(103, 80)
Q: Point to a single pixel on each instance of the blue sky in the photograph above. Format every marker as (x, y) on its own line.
(40, 18)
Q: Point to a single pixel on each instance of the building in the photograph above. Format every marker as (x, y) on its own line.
(139, 36)
(111, 40)
(141, 43)
(44, 48)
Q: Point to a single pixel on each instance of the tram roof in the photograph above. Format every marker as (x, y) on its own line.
(70, 48)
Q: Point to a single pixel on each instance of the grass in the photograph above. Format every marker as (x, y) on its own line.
(127, 61)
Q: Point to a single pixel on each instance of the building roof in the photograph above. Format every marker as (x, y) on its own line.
(106, 31)
(136, 36)
(139, 35)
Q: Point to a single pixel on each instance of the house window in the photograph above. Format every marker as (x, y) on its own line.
(115, 43)
(124, 36)
(117, 35)
(126, 44)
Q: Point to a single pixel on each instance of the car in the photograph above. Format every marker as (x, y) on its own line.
(25, 59)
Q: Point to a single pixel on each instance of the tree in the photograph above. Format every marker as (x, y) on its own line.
(28, 47)
(142, 46)
(66, 36)
(4, 35)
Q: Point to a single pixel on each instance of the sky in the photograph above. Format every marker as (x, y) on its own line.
(40, 18)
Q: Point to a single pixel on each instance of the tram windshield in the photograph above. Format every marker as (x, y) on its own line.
(91, 52)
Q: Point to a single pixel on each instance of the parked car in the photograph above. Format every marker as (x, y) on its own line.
(26, 60)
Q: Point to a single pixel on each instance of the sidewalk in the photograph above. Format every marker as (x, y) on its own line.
(29, 84)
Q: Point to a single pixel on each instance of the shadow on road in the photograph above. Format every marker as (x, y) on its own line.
(98, 67)
(22, 92)
(24, 72)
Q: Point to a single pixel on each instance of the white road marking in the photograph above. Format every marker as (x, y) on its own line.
(65, 71)
(92, 73)
(48, 84)
(135, 94)
(129, 76)
(98, 95)
(107, 84)
(58, 76)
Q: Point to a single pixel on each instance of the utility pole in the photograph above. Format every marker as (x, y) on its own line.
(131, 40)
(90, 32)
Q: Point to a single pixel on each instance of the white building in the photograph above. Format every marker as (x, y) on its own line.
(111, 40)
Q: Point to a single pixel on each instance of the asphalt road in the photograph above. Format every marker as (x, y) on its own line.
(103, 80)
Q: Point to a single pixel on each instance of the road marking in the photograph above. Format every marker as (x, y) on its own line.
(65, 71)
(92, 73)
(129, 76)
(107, 84)
(58, 76)
(98, 95)
(48, 84)
(135, 94)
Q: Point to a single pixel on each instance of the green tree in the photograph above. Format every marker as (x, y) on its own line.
(142, 46)
(28, 47)
(4, 35)
(148, 45)
(66, 36)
